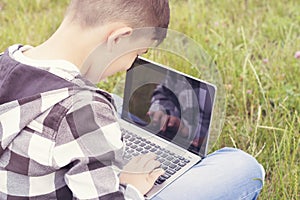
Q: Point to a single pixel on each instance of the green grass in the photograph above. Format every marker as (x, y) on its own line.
(263, 98)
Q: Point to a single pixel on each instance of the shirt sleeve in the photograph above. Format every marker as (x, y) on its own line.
(89, 147)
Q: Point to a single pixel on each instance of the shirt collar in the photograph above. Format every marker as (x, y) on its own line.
(61, 68)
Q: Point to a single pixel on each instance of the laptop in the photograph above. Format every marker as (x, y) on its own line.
(168, 113)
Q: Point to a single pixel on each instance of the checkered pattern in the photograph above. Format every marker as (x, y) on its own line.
(59, 139)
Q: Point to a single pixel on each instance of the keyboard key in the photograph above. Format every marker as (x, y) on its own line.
(162, 179)
(164, 155)
(159, 152)
(142, 144)
(170, 158)
(128, 143)
(152, 144)
(135, 154)
(130, 151)
(136, 141)
(127, 157)
(166, 176)
(177, 168)
(165, 167)
(139, 149)
(126, 136)
(181, 158)
(175, 161)
(172, 166)
(145, 152)
(159, 181)
(170, 171)
(181, 164)
(158, 148)
(167, 163)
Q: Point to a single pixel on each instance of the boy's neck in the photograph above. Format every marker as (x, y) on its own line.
(71, 43)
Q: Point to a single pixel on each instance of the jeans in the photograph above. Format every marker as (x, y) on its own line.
(227, 174)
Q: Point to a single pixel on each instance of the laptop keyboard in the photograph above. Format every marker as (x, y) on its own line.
(170, 162)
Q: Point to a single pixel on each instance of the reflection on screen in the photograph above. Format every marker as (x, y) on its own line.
(169, 105)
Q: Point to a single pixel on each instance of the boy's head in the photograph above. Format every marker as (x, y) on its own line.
(133, 15)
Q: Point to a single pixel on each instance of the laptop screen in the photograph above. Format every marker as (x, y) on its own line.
(169, 104)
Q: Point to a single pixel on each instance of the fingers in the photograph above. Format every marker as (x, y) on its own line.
(152, 166)
(168, 122)
(144, 163)
(153, 176)
(149, 163)
(156, 117)
(174, 122)
(146, 159)
(164, 122)
(160, 119)
(135, 159)
(184, 131)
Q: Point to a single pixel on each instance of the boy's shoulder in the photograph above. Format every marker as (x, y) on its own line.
(33, 83)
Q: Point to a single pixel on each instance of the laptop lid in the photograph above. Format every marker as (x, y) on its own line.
(169, 104)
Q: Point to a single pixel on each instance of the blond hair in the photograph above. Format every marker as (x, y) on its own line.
(135, 13)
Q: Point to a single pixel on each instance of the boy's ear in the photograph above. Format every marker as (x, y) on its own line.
(116, 36)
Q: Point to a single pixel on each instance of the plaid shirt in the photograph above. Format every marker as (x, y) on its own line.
(59, 136)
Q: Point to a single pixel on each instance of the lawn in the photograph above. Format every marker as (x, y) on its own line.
(254, 44)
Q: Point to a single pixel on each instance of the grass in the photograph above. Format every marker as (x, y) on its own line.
(254, 43)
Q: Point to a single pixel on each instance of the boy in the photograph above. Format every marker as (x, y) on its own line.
(59, 136)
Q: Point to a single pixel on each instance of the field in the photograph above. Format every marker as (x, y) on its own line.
(254, 44)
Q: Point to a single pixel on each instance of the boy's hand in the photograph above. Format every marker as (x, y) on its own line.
(141, 172)
(168, 122)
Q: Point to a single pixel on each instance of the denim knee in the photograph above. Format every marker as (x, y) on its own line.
(248, 169)
(245, 160)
